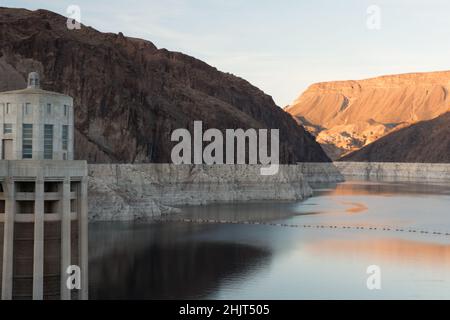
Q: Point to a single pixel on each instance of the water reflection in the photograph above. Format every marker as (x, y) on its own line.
(383, 188)
(354, 207)
(391, 250)
(238, 212)
(239, 261)
(163, 262)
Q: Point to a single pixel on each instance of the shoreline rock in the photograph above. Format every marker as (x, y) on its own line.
(132, 192)
(395, 171)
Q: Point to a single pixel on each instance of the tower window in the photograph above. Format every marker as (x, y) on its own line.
(27, 108)
(48, 141)
(65, 136)
(8, 108)
(27, 141)
(66, 110)
(49, 108)
(7, 128)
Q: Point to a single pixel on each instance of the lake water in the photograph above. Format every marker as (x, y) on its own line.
(316, 249)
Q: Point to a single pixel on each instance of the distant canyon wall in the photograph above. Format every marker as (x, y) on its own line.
(424, 142)
(131, 192)
(395, 171)
(347, 115)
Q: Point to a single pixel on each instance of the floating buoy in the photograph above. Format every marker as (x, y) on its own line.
(318, 226)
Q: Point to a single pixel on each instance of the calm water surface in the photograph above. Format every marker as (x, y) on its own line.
(179, 260)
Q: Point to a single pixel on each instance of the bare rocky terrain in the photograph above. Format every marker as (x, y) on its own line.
(395, 171)
(348, 115)
(129, 95)
(142, 191)
(425, 142)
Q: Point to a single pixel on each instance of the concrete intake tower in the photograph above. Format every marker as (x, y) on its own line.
(43, 196)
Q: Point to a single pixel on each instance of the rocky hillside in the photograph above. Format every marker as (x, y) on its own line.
(129, 95)
(347, 115)
(426, 141)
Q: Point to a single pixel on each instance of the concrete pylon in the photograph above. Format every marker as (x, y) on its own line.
(38, 258)
(8, 241)
(65, 238)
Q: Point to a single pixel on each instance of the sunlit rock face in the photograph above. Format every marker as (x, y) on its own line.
(129, 95)
(347, 115)
(426, 141)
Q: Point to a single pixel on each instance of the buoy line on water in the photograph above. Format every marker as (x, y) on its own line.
(307, 226)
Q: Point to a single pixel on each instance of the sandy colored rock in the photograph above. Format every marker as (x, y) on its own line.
(425, 141)
(347, 115)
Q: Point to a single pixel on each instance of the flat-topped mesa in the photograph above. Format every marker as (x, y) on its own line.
(391, 81)
(347, 115)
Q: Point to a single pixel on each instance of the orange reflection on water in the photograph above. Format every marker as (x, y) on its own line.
(356, 207)
(387, 189)
(348, 188)
(392, 250)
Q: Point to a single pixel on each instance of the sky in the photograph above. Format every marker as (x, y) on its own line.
(282, 46)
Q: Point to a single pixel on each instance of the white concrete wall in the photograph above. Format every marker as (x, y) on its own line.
(38, 116)
(395, 171)
(140, 191)
(47, 168)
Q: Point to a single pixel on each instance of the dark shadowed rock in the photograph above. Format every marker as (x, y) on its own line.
(129, 95)
(426, 141)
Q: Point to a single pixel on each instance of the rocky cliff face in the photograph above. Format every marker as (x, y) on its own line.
(347, 115)
(142, 191)
(396, 171)
(129, 95)
(426, 141)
